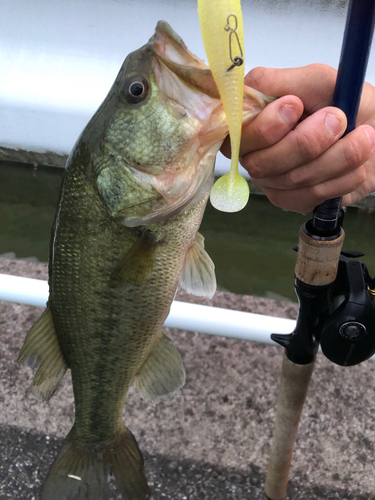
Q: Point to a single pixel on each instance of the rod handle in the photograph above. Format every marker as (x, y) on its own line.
(294, 383)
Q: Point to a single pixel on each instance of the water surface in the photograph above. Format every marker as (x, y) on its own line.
(252, 249)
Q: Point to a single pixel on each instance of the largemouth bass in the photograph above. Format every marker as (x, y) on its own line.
(125, 235)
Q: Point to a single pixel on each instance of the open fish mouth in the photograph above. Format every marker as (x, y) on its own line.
(170, 45)
(172, 51)
(183, 85)
(187, 82)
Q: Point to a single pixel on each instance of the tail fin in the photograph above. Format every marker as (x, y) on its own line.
(83, 473)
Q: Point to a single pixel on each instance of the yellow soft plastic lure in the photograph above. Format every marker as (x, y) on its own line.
(223, 38)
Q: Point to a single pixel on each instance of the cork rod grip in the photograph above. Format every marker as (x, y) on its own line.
(317, 261)
(292, 394)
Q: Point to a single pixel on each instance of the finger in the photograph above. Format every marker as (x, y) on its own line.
(269, 127)
(314, 84)
(366, 108)
(344, 156)
(307, 141)
(366, 188)
(304, 200)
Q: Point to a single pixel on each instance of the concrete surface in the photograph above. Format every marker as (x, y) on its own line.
(212, 440)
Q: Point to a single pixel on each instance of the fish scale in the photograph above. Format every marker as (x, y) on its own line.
(121, 319)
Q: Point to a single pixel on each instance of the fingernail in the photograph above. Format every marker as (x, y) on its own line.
(369, 131)
(288, 114)
(333, 124)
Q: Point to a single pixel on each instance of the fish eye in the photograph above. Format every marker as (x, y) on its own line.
(135, 90)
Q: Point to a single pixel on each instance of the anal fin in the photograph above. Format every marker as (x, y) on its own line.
(42, 353)
(198, 275)
(162, 374)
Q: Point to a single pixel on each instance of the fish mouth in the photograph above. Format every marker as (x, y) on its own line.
(171, 50)
(187, 83)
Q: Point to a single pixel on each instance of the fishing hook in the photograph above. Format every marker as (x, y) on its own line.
(237, 60)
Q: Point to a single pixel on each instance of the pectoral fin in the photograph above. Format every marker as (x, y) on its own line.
(198, 275)
(162, 374)
(138, 263)
(42, 353)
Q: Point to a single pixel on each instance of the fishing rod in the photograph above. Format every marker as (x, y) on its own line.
(335, 291)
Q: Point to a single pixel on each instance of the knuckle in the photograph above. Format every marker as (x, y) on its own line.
(294, 179)
(324, 78)
(269, 134)
(255, 169)
(287, 200)
(257, 77)
(362, 174)
(317, 194)
(353, 153)
(324, 71)
(255, 181)
(274, 196)
(254, 165)
(309, 146)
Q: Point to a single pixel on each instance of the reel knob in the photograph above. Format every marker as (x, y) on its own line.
(348, 338)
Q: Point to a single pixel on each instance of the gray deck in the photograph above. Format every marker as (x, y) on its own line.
(212, 440)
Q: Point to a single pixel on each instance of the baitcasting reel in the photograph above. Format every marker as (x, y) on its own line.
(340, 317)
(348, 332)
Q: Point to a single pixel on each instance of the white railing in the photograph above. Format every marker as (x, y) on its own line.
(185, 316)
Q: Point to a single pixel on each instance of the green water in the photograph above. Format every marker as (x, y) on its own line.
(252, 249)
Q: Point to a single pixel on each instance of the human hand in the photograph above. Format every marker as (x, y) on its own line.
(292, 149)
